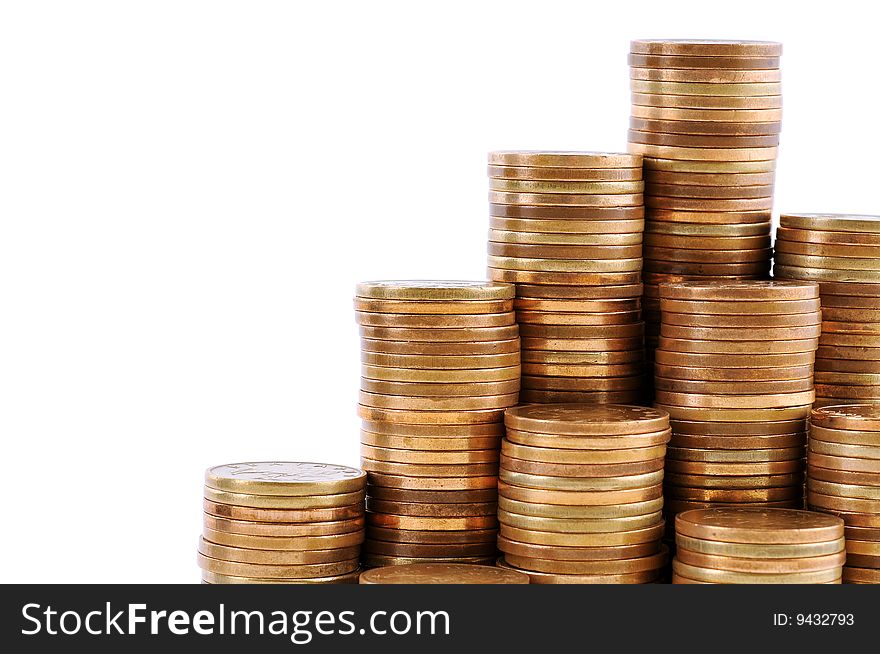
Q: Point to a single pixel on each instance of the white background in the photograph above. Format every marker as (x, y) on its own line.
(190, 190)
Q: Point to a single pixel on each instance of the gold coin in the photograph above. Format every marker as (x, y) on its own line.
(731, 362)
(841, 476)
(545, 173)
(442, 573)
(563, 159)
(844, 490)
(303, 531)
(760, 321)
(429, 470)
(606, 538)
(578, 525)
(580, 470)
(766, 401)
(725, 155)
(604, 232)
(430, 444)
(423, 348)
(552, 242)
(766, 552)
(416, 550)
(533, 186)
(580, 484)
(759, 526)
(610, 213)
(831, 222)
(451, 334)
(713, 219)
(830, 263)
(542, 277)
(801, 565)
(645, 564)
(454, 403)
(567, 265)
(287, 572)
(286, 478)
(703, 141)
(845, 436)
(666, 193)
(846, 394)
(669, 163)
(735, 415)
(864, 548)
(707, 101)
(846, 449)
(733, 482)
(440, 376)
(444, 457)
(710, 230)
(737, 347)
(706, 76)
(432, 307)
(452, 362)
(284, 501)
(434, 290)
(341, 557)
(214, 578)
(403, 482)
(579, 498)
(709, 128)
(822, 274)
(568, 199)
(705, 48)
(734, 333)
(392, 521)
(702, 61)
(576, 420)
(583, 344)
(736, 456)
(434, 321)
(427, 510)
(569, 456)
(607, 553)
(542, 251)
(262, 515)
(536, 577)
(284, 543)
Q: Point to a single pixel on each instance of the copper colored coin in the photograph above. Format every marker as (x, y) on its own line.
(433, 290)
(422, 537)
(536, 577)
(854, 354)
(431, 307)
(422, 444)
(429, 470)
(733, 388)
(766, 290)
(555, 553)
(285, 543)
(541, 251)
(735, 456)
(734, 495)
(578, 457)
(864, 417)
(862, 533)
(610, 358)
(693, 346)
(587, 235)
(845, 504)
(580, 470)
(705, 48)
(546, 291)
(761, 551)
(428, 551)
(608, 442)
(681, 255)
(578, 319)
(735, 469)
(674, 162)
(599, 539)
(829, 264)
(706, 75)
(579, 498)
(674, 506)
(450, 334)
(215, 578)
(711, 180)
(707, 204)
(583, 344)
(739, 307)
(850, 315)
(819, 237)
(868, 452)
(739, 442)
(445, 362)
(751, 525)
(728, 482)
(844, 490)
(685, 126)
(578, 525)
(747, 428)
(607, 306)
(651, 562)
(759, 321)
(426, 510)
(539, 277)
(760, 376)
(423, 348)
(434, 431)
(842, 476)
(279, 557)
(232, 512)
(701, 61)
(550, 158)
(753, 268)
(772, 566)
(698, 115)
(846, 393)
(459, 483)
(856, 366)
(283, 530)
(586, 420)
(702, 141)
(828, 250)
(529, 396)
(281, 571)
(460, 390)
(419, 523)
(584, 384)
(475, 417)
(566, 512)
(615, 213)
(564, 174)
(706, 101)
(382, 561)
(581, 484)
(732, 362)
(781, 400)
(738, 334)
(823, 274)
(634, 199)
(435, 403)
(845, 436)
(479, 495)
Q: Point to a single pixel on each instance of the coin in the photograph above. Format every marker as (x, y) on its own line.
(569, 240)
(583, 384)
(651, 562)
(285, 478)
(846, 450)
(846, 504)
(565, 174)
(766, 552)
(442, 573)
(433, 497)
(281, 570)
(704, 154)
(305, 531)
(285, 501)
(724, 429)
(644, 577)
(844, 490)
(440, 376)
(440, 321)
(819, 237)
(622, 359)
(737, 307)
(586, 420)
(379, 560)
(491, 429)
(710, 180)
(429, 444)
(581, 512)
(232, 512)
(580, 187)
(423, 348)
(654, 239)
(567, 265)
(705, 48)
(734, 333)
(529, 251)
(537, 396)
(583, 344)
(416, 550)
(831, 222)
(847, 393)
(438, 403)
(423, 537)
(432, 457)
(847, 436)
(746, 442)
(579, 498)
(607, 553)
(847, 464)
(389, 520)
(734, 469)
(614, 212)
(734, 495)
(430, 470)
(741, 415)
(434, 290)
(703, 141)
(566, 199)
(712, 230)
(580, 484)
(690, 346)
(580, 470)
(738, 321)
(562, 277)
(697, 86)
(731, 482)
(713, 116)
(440, 510)
(829, 263)
(842, 476)
(579, 293)
(415, 389)
(822, 274)
(628, 441)
(705, 127)
(283, 543)
(433, 483)
(776, 566)
(569, 456)
(707, 101)
(827, 250)
(705, 76)
(759, 526)
(569, 539)
(723, 361)
(578, 525)
(850, 315)
(703, 269)
(863, 417)
(214, 578)
(735, 456)
(679, 164)
(741, 62)
(440, 334)
(432, 307)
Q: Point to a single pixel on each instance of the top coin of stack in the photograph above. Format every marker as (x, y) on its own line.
(843, 477)
(757, 546)
(566, 228)
(706, 116)
(441, 362)
(442, 573)
(842, 254)
(282, 523)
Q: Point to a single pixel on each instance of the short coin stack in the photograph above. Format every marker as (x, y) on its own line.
(566, 228)
(706, 116)
(734, 370)
(842, 254)
(440, 364)
(843, 477)
(442, 573)
(282, 523)
(580, 493)
(757, 546)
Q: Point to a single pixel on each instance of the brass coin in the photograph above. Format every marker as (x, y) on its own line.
(595, 231)
(846, 504)
(414, 389)
(415, 550)
(734, 495)
(819, 237)
(434, 290)
(739, 334)
(583, 384)
(841, 476)
(578, 525)
(423, 537)
(631, 330)
(760, 321)
(283, 543)
(579, 498)
(830, 275)
(759, 526)
(583, 344)
(734, 469)
(284, 501)
(440, 573)
(567, 265)
(736, 456)
(844, 490)
(563, 159)
(579, 187)
(262, 515)
(423, 348)
(683, 126)
(570, 199)
(569, 539)
(723, 361)
(440, 334)
(845, 464)
(555, 173)
(440, 376)
(831, 222)
(429, 470)
(725, 155)
(528, 251)
(765, 552)
(827, 250)
(391, 521)
(845, 436)
(539, 277)
(608, 442)
(459, 483)
(432, 307)
(736, 307)
(580, 292)
(261, 571)
(742, 483)
(615, 213)
(569, 456)
(535, 396)
(602, 241)
(432, 497)
(707, 101)
(748, 442)
(705, 48)
(674, 162)
(576, 420)
(702, 61)
(420, 509)
(702, 141)
(799, 565)
(711, 180)
(737, 414)
(650, 563)
(214, 578)
(285, 478)
(604, 359)
(438, 403)
(847, 450)
(653, 239)
(580, 484)
(435, 457)
(580, 470)
(578, 512)
(313, 558)
(828, 263)
(706, 76)
(608, 553)
(737, 347)
(863, 417)
(418, 320)
(451, 362)
(495, 429)
(430, 444)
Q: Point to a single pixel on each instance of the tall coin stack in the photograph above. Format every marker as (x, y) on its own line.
(566, 228)
(706, 117)
(440, 362)
(734, 370)
(842, 254)
(281, 522)
(580, 493)
(757, 546)
(843, 477)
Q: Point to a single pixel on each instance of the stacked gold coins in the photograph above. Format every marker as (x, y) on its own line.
(736, 545)
(282, 523)
(580, 493)
(442, 573)
(843, 477)
(842, 254)
(734, 370)
(440, 362)
(566, 228)
(706, 116)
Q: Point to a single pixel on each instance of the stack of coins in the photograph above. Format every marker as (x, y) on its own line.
(440, 364)
(757, 546)
(843, 477)
(706, 116)
(566, 228)
(442, 573)
(580, 493)
(282, 523)
(734, 370)
(842, 254)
